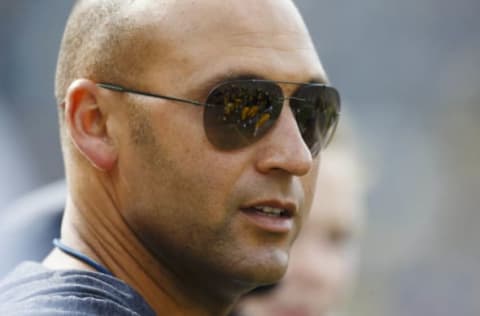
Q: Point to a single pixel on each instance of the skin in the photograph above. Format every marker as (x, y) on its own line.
(323, 258)
(150, 198)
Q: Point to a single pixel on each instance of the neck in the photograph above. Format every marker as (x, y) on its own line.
(97, 229)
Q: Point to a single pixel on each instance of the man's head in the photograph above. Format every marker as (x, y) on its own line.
(198, 209)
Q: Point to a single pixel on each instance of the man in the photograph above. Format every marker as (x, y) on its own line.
(191, 133)
(324, 255)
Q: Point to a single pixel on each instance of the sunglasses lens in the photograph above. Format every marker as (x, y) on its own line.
(239, 113)
(316, 109)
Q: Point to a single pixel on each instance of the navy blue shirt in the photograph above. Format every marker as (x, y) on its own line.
(32, 289)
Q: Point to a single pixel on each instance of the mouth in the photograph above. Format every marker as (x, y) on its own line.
(268, 211)
(271, 216)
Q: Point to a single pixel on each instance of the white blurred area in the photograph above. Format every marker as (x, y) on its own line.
(409, 72)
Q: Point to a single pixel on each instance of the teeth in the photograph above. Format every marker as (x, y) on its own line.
(272, 211)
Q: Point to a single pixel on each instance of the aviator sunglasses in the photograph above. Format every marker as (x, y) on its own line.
(239, 112)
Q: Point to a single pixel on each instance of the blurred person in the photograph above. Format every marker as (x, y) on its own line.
(324, 256)
(191, 135)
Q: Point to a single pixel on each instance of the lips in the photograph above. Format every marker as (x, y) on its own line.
(269, 211)
(272, 216)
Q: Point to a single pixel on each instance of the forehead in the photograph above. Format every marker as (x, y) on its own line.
(196, 40)
(185, 17)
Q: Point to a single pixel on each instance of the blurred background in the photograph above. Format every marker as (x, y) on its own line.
(409, 75)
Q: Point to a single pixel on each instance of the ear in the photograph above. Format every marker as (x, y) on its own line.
(86, 122)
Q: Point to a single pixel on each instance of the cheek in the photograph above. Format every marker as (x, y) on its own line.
(189, 158)
(184, 186)
(183, 181)
(179, 162)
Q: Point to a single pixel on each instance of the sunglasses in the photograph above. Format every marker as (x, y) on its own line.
(239, 112)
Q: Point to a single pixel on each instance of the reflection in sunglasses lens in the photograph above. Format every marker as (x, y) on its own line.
(242, 112)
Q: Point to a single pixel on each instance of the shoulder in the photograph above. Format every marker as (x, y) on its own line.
(33, 290)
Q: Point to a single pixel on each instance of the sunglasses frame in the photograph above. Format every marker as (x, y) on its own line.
(122, 89)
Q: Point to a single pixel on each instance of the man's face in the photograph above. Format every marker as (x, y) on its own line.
(189, 202)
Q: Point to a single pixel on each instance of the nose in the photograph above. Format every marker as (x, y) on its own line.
(283, 148)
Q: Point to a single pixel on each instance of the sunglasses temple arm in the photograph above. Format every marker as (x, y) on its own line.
(117, 88)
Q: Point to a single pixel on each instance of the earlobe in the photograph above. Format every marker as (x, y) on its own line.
(86, 122)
